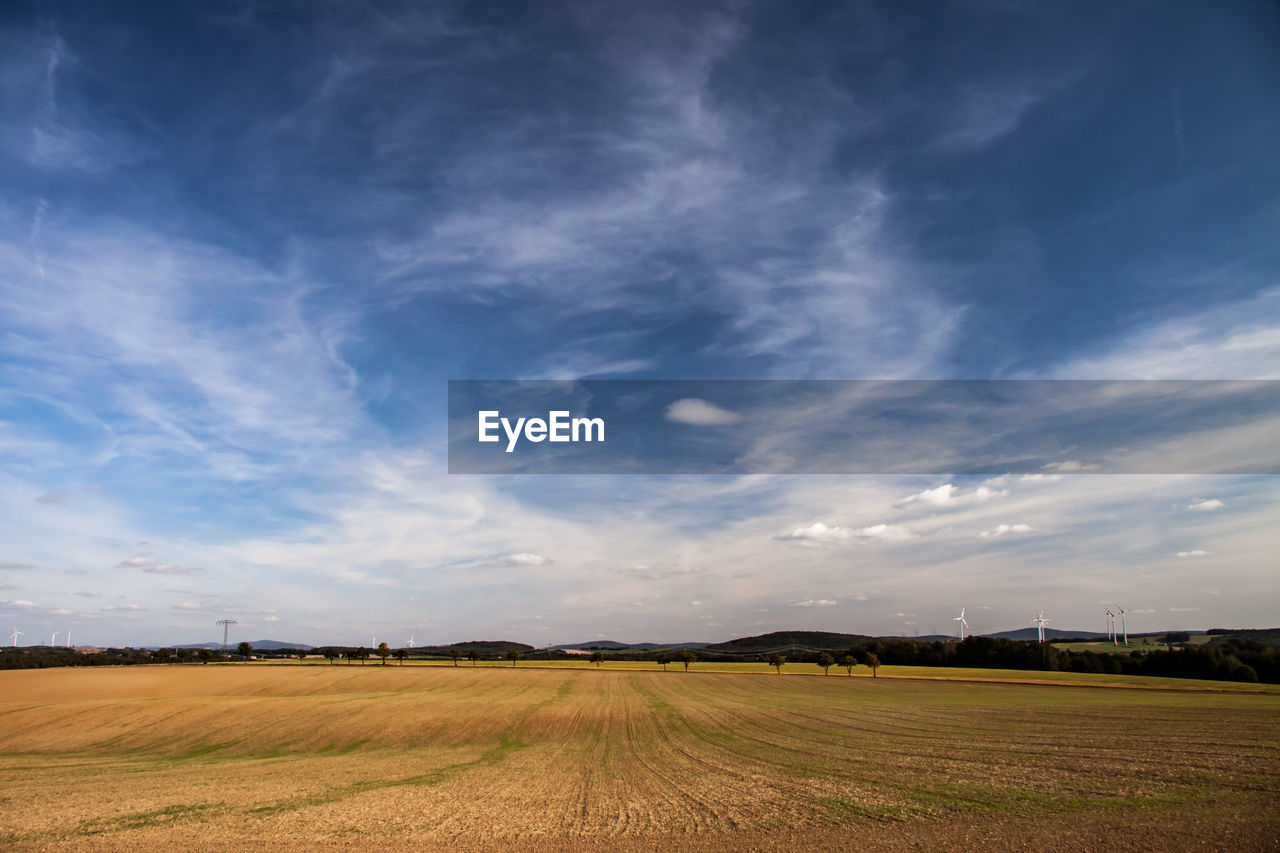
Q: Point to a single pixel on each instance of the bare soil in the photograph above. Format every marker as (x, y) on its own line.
(321, 757)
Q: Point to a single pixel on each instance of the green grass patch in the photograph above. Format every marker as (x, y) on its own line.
(200, 751)
(844, 808)
(158, 817)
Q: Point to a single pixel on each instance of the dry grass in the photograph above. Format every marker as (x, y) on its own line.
(487, 758)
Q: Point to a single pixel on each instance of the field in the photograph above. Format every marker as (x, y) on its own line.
(312, 756)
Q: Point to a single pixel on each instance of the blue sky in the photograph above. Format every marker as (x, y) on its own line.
(244, 246)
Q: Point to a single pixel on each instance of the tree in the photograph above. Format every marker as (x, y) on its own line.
(205, 655)
(301, 654)
(184, 655)
(473, 656)
(596, 658)
(664, 659)
(870, 659)
(826, 661)
(513, 655)
(454, 654)
(383, 651)
(163, 655)
(848, 662)
(401, 654)
(350, 655)
(331, 654)
(777, 662)
(244, 650)
(363, 654)
(687, 657)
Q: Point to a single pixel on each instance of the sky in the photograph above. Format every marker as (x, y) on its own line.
(244, 247)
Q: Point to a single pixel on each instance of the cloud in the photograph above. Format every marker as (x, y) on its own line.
(1070, 466)
(525, 559)
(121, 608)
(657, 572)
(52, 498)
(17, 566)
(819, 532)
(812, 602)
(1232, 340)
(1184, 609)
(187, 605)
(153, 566)
(21, 602)
(1193, 554)
(950, 495)
(692, 410)
(888, 532)
(1005, 530)
(1205, 505)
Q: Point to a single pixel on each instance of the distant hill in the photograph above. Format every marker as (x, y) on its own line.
(612, 645)
(1267, 636)
(485, 648)
(784, 641)
(261, 645)
(1049, 634)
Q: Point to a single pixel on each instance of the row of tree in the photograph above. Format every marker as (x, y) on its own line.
(1232, 660)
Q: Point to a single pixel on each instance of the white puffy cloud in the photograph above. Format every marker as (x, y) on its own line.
(153, 566)
(697, 412)
(1208, 505)
(819, 532)
(891, 532)
(1197, 553)
(950, 495)
(525, 559)
(1005, 530)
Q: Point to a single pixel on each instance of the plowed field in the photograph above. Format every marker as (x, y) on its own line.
(234, 757)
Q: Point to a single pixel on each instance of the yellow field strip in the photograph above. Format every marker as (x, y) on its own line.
(994, 676)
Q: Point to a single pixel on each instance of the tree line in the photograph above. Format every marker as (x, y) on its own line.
(1231, 660)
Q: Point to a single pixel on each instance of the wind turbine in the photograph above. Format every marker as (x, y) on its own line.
(963, 624)
(16, 635)
(1123, 629)
(53, 641)
(1111, 625)
(410, 643)
(1040, 622)
(69, 637)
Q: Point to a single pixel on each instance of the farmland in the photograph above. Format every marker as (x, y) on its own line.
(308, 755)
